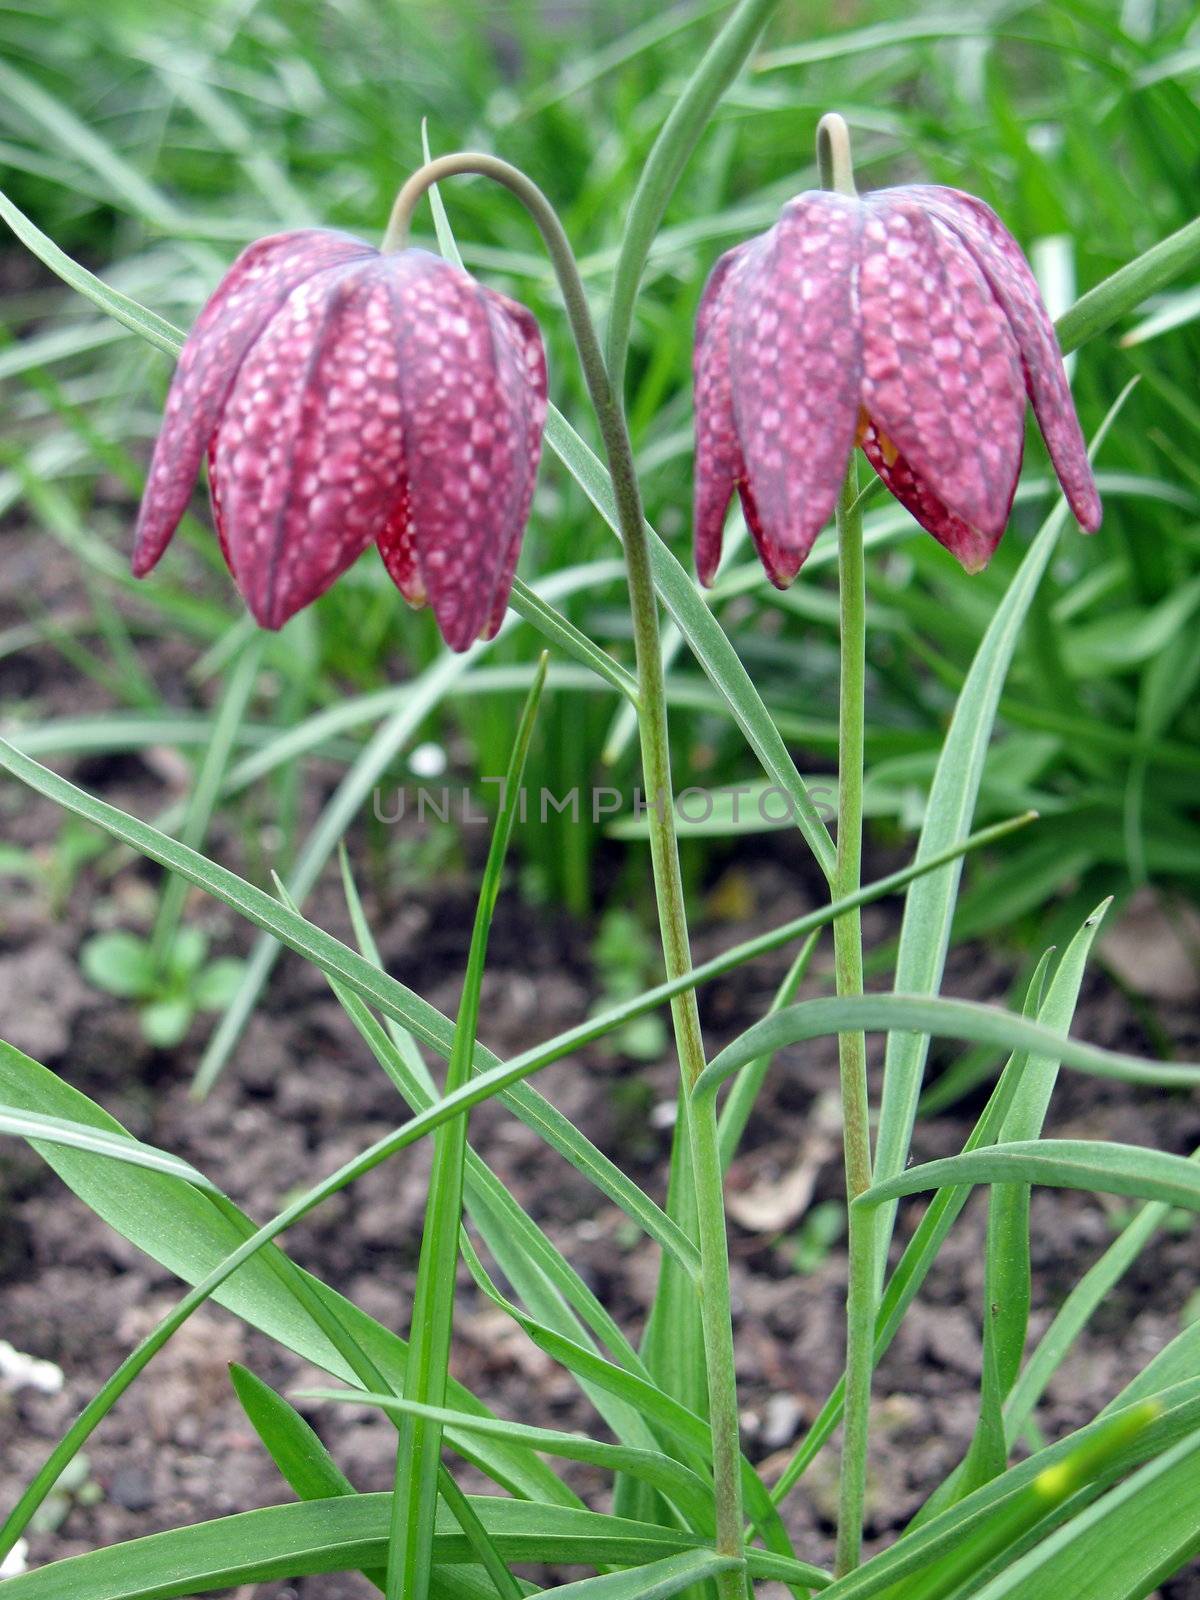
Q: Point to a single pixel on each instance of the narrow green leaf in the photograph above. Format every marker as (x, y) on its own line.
(941, 1558)
(156, 330)
(418, 1451)
(655, 1581)
(929, 908)
(1077, 1310)
(1007, 1273)
(343, 1534)
(690, 117)
(1121, 1547)
(739, 1104)
(690, 1492)
(292, 1444)
(114, 1146)
(1089, 1164)
(934, 1018)
(1125, 290)
(1006, 1269)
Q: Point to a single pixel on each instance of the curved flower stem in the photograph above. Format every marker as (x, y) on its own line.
(713, 1288)
(833, 157)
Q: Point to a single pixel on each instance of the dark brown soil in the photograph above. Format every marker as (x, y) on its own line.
(302, 1094)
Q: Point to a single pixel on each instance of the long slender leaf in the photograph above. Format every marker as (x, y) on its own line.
(45, 1130)
(932, 1562)
(410, 1555)
(1089, 1164)
(919, 1254)
(934, 1018)
(343, 1534)
(655, 1581)
(292, 1444)
(1123, 1546)
(677, 1482)
(690, 116)
(1077, 1309)
(929, 909)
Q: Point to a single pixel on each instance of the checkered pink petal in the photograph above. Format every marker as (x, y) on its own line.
(346, 398)
(397, 543)
(253, 289)
(309, 454)
(719, 464)
(972, 547)
(1015, 288)
(521, 369)
(941, 372)
(908, 320)
(795, 350)
(471, 453)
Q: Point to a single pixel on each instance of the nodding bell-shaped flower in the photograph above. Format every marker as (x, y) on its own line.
(345, 397)
(906, 321)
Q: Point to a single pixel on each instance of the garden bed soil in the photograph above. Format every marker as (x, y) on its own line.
(302, 1094)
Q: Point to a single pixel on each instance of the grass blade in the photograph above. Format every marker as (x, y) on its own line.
(1077, 1309)
(1007, 1280)
(1090, 1164)
(346, 1533)
(919, 1254)
(48, 1130)
(692, 1495)
(934, 1018)
(685, 126)
(410, 1551)
(655, 1581)
(929, 909)
(1124, 1545)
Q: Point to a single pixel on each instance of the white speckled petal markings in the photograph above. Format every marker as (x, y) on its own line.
(468, 461)
(253, 289)
(795, 359)
(310, 449)
(941, 371)
(1015, 288)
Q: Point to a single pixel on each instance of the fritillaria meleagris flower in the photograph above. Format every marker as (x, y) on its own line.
(345, 397)
(907, 321)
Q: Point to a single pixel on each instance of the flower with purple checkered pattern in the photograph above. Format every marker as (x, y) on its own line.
(907, 321)
(346, 397)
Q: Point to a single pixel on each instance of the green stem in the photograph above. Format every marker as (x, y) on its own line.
(716, 1315)
(833, 156)
(852, 1055)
